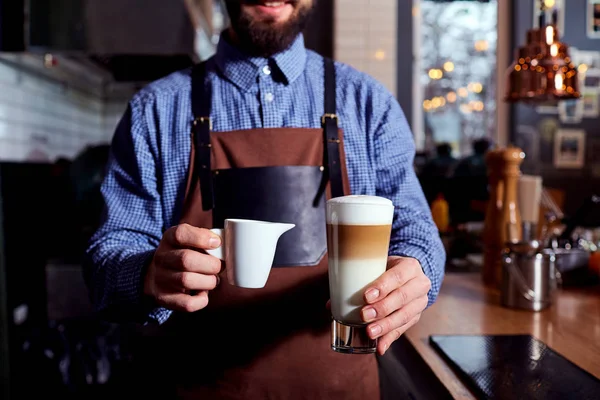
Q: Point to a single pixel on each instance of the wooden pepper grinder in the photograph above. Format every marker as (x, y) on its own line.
(503, 218)
(512, 230)
(493, 215)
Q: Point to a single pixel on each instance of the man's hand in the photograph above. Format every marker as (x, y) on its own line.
(180, 275)
(395, 301)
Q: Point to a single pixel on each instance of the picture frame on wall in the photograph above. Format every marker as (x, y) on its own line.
(569, 149)
(593, 19)
(589, 98)
(570, 111)
(590, 58)
(591, 79)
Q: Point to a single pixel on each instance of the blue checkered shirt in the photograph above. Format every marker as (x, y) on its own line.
(146, 176)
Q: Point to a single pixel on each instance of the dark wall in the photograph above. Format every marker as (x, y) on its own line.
(24, 193)
(318, 34)
(11, 25)
(578, 184)
(57, 24)
(405, 73)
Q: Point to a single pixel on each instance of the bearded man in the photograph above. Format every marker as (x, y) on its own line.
(270, 121)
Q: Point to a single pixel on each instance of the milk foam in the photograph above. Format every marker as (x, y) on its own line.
(360, 210)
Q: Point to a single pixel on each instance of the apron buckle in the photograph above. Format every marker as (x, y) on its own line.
(203, 120)
(329, 116)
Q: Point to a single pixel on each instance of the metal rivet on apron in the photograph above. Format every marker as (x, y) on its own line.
(322, 168)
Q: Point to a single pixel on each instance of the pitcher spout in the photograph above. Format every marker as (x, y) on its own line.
(281, 228)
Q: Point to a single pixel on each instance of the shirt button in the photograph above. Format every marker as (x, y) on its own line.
(266, 70)
(269, 97)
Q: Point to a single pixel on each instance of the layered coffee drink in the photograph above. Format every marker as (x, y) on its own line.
(358, 237)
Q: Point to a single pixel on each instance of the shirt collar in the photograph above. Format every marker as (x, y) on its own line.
(242, 70)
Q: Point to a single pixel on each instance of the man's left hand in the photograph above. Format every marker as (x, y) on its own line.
(395, 301)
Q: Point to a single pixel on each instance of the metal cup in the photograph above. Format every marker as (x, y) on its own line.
(528, 276)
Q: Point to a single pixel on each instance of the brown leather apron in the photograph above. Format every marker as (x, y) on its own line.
(270, 343)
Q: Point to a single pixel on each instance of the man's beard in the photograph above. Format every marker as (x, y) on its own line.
(266, 38)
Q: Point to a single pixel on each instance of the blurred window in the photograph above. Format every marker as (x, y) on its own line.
(456, 71)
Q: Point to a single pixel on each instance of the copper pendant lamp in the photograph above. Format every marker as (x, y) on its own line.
(543, 70)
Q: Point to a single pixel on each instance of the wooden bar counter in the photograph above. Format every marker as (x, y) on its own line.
(571, 326)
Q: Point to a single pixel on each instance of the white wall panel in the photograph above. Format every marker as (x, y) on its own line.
(366, 37)
(41, 119)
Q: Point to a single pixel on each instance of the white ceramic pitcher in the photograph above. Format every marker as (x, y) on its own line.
(248, 249)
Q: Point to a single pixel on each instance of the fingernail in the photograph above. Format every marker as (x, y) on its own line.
(369, 314)
(375, 331)
(372, 294)
(214, 242)
(385, 347)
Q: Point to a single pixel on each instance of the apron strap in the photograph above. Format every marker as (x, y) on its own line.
(332, 142)
(201, 127)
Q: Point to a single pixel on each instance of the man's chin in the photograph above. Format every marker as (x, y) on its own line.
(264, 33)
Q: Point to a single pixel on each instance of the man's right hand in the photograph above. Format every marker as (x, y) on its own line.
(180, 274)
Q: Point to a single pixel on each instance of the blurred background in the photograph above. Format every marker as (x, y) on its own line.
(68, 68)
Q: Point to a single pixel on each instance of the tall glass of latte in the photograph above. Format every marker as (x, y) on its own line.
(358, 238)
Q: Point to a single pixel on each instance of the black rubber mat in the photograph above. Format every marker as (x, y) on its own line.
(514, 367)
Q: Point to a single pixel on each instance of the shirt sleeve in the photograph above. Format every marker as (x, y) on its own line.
(131, 225)
(414, 233)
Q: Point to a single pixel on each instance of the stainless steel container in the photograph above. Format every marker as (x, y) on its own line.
(528, 276)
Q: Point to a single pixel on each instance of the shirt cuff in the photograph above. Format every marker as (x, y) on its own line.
(130, 283)
(160, 315)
